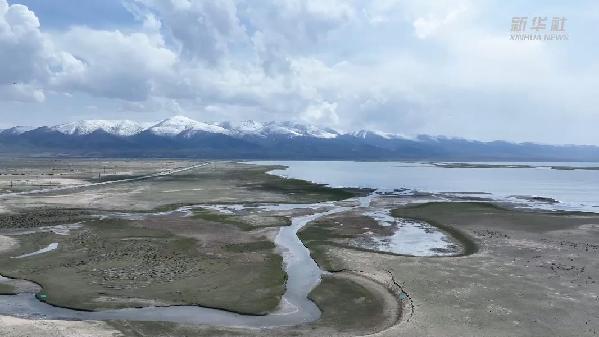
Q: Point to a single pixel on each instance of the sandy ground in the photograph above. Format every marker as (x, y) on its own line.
(7, 243)
(221, 182)
(17, 327)
(525, 281)
(22, 174)
(381, 285)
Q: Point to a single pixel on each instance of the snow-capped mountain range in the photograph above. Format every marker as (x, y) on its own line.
(178, 125)
(180, 136)
(86, 127)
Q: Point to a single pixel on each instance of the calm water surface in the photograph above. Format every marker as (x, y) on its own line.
(574, 189)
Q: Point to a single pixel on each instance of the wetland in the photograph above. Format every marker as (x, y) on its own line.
(226, 248)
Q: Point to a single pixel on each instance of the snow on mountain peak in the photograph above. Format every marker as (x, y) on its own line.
(370, 133)
(115, 127)
(289, 129)
(17, 130)
(178, 124)
(244, 128)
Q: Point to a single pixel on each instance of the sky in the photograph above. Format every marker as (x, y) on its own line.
(402, 66)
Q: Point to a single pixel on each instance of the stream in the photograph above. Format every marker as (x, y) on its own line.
(302, 271)
(295, 307)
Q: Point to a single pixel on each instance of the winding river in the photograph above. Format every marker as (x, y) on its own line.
(295, 308)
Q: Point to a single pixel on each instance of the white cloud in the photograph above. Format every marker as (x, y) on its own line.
(201, 30)
(115, 64)
(21, 93)
(26, 57)
(432, 24)
(322, 113)
(396, 65)
(153, 105)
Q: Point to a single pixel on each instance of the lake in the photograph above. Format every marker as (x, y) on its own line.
(574, 189)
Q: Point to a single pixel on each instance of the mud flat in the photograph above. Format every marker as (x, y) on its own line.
(352, 304)
(28, 174)
(13, 326)
(110, 264)
(533, 273)
(216, 183)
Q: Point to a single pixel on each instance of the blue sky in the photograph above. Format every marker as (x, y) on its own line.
(61, 14)
(412, 67)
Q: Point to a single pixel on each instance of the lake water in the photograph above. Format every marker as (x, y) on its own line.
(574, 189)
(411, 237)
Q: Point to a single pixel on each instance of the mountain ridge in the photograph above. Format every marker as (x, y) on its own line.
(180, 136)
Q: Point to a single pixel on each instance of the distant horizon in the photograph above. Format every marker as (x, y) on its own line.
(340, 131)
